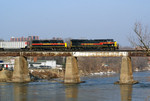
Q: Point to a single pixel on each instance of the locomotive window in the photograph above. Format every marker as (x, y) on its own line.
(57, 41)
(111, 40)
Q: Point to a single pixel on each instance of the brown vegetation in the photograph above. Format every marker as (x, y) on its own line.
(97, 64)
(43, 74)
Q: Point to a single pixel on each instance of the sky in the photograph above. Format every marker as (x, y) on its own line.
(88, 19)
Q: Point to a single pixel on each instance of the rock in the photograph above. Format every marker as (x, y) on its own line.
(5, 75)
(43, 74)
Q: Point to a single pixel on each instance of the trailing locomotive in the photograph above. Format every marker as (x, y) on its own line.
(97, 44)
(48, 45)
(75, 45)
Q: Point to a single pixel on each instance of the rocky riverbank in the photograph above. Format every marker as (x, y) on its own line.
(45, 74)
(36, 74)
(48, 74)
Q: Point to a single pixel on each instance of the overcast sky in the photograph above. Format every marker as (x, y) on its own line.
(100, 19)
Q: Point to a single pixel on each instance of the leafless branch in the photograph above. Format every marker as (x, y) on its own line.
(142, 38)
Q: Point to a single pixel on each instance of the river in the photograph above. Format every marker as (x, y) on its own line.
(96, 88)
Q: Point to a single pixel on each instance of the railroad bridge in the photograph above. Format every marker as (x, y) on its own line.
(21, 73)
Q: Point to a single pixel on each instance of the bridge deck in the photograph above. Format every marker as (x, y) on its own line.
(76, 54)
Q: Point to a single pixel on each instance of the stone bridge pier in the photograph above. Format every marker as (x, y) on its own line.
(72, 75)
(71, 71)
(126, 74)
(21, 72)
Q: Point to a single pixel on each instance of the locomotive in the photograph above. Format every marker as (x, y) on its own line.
(47, 45)
(96, 44)
(75, 45)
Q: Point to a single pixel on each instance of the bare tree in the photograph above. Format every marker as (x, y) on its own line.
(139, 62)
(142, 38)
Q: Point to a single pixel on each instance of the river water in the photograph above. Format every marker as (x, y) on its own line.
(96, 88)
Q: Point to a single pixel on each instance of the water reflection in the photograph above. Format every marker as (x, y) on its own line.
(95, 89)
(5, 90)
(71, 92)
(20, 92)
(13, 92)
(126, 92)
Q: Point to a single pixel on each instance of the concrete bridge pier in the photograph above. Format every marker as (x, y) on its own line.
(71, 71)
(126, 75)
(21, 72)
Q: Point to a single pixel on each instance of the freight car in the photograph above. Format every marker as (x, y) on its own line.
(96, 44)
(8, 45)
(48, 45)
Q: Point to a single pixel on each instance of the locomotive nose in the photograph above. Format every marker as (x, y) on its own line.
(66, 45)
(116, 45)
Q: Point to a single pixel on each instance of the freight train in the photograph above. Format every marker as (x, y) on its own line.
(75, 45)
